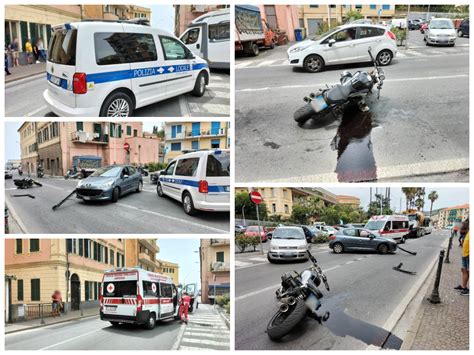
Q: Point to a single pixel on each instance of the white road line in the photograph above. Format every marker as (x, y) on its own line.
(204, 342)
(265, 63)
(32, 113)
(238, 263)
(55, 187)
(71, 339)
(183, 106)
(178, 338)
(417, 54)
(400, 55)
(244, 64)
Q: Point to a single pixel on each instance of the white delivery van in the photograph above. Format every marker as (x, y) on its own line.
(134, 295)
(110, 68)
(208, 37)
(395, 227)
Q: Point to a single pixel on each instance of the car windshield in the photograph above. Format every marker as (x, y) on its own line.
(288, 233)
(328, 33)
(441, 25)
(374, 225)
(107, 171)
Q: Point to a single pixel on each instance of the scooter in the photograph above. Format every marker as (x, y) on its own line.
(353, 88)
(298, 296)
(40, 172)
(26, 183)
(75, 174)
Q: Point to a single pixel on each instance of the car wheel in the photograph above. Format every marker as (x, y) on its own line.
(254, 50)
(118, 104)
(338, 248)
(151, 322)
(200, 85)
(384, 57)
(452, 45)
(188, 204)
(402, 241)
(460, 33)
(139, 187)
(159, 190)
(115, 194)
(313, 63)
(382, 249)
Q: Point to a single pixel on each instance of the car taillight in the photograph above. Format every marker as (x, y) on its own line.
(139, 303)
(101, 299)
(332, 237)
(79, 84)
(203, 187)
(391, 35)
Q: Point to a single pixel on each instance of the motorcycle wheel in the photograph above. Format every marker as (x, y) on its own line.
(282, 323)
(66, 177)
(304, 113)
(37, 183)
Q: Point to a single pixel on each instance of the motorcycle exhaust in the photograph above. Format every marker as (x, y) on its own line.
(283, 307)
(289, 300)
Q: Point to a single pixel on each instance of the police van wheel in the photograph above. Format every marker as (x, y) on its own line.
(150, 324)
(188, 204)
(115, 194)
(159, 190)
(200, 86)
(118, 104)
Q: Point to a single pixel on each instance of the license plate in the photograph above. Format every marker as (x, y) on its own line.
(55, 80)
(287, 255)
(318, 103)
(111, 309)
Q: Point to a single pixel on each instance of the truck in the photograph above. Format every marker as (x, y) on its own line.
(251, 32)
(419, 224)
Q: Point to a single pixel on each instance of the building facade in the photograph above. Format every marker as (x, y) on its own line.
(28, 146)
(169, 269)
(452, 215)
(352, 201)
(38, 267)
(281, 17)
(142, 253)
(116, 12)
(183, 137)
(215, 268)
(185, 14)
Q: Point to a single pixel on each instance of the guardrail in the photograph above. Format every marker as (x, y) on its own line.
(38, 310)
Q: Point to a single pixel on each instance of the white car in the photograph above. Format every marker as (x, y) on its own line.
(110, 68)
(288, 243)
(342, 45)
(440, 31)
(200, 180)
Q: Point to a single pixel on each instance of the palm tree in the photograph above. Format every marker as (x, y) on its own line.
(409, 196)
(433, 196)
(420, 198)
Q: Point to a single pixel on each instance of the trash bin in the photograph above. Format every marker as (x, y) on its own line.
(298, 34)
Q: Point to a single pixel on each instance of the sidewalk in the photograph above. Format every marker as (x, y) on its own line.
(25, 71)
(443, 326)
(37, 323)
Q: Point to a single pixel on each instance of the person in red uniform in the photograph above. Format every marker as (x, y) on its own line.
(184, 307)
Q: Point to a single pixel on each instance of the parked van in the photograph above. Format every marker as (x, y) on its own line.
(200, 180)
(110, 68)
(208, 37)
(134, 295)
(395, 227)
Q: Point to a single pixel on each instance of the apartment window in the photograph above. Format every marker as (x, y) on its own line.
(385, 7)
(195, 145)
(215, 143)
(68, 245)
(95, 289)
(19, 291)
(19, 246)
(285, 193)
(332, 6)
(112, 257)
(74, 246)
(123, 260)
(35, 290)
(271, 16)
(176, 146)
(34, 245)
(135, 133)
(106, 255)
(86, 289)
(272, 190)
(274, 208)
(215, 128)
(99, 252)
(287, 210)
(81, 247)
(118, 259)
(86, 248)
(373, 7)
(358, 7)
(96, 251)
(129, 130)
(314, 6)
(80, 126)
(220, 256)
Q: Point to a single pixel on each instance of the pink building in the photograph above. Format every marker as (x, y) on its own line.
(282, 17)
(185, 14)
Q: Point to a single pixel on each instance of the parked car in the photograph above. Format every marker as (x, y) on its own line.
(240, 228)
(412, 26)
(109, 183)
(308, 233)
(200, 180)
(440, 31)
(347, 239)
(252, 231)
(288, 243)
(8, 174)
(320, 228)
(398, 22)
(155, 176)
(463, 29)
(343, 45)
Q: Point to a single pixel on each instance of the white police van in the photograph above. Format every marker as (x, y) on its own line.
(109, 68)
(134, 295)
(200, 180)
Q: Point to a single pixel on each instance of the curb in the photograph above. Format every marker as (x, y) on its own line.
(14, 216)
(45, 325)
(25, 76)
(226, 321)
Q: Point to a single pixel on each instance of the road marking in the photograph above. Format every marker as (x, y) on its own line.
(241, 263)
(70, 339)
(32, 113)
(179, 337)
(183, 106)
(24, 80)
(55, 187)
(180, 220)
(205, 342)
(417, 54)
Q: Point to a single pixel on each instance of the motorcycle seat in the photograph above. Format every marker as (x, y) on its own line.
(338, 93)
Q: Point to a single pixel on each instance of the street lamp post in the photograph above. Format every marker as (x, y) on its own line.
(243, 214)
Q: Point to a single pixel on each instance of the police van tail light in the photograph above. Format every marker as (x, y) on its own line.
(203, 187)
(79, 84)
(139, 303)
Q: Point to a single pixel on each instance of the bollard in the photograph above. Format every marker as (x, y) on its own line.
(450, 244)
(40, 306)
(434, 298)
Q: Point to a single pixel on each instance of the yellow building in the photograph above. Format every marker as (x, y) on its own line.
(142, 253)
(116, 12)
(169, 269)
(215, 268)
(28, 146)
(352, 201)
(280, 200)
(313, 16)
(183, 137)
(452, 215)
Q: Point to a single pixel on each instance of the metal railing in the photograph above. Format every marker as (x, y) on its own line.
(38, 310)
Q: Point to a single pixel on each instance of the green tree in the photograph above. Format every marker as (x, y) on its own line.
(420, 198)
(352, 15)
(242, 199)
(433, 196)
(410, 193)
(380, 201)
(300, 214)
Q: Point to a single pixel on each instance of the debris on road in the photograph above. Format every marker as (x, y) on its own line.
(24, 195)
(407, 251)
(26, 183)
(64, 200)
(399, 268)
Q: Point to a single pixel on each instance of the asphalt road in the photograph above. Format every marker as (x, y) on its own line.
(364, 293)
(143, 212)
(419, 127)
(25, 98)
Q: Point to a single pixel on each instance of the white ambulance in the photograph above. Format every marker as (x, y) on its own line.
(395, 227)
(134, 295)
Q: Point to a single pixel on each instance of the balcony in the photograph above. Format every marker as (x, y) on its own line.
(150, 244)
(220, 266)
(221, 132)
(89, 138)
(216, 242)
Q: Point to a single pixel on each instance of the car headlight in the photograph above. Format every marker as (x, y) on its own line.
(273, 247)
(108, 184)
(79, 184)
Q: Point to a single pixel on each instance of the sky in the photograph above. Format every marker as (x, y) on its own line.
(185, 252)
(162, 16)
(448, 196)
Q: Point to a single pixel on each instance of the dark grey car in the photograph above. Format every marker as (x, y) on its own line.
(359, 239)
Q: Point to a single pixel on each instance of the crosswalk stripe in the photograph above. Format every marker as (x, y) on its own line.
(205, 335)
(205, 342)
(417, 54)
(244, 64)
(191, 348)
(401, 55)
(265, 62)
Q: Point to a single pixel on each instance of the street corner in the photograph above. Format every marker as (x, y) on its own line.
(295, 244)
(137, 172)
(132, 294)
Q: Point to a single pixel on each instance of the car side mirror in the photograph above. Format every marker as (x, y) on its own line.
(162, 172)
(125, 176)
(269, 235)
(331, 42)
(190, 55)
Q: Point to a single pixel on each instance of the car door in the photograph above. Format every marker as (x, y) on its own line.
(343, 50)
(134, 177)
(368, 37)
(166, 299)
(179, 62)
(126, 180)
(350, 239)
(167, 179)
(193, 38)
(219, 43)
(365, 240)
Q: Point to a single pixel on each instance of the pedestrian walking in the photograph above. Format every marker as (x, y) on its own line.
(7, 72)
(41, 49)
(35, 53)
(462, 234)
(184, 307)
(15, 52)
(29, 51)
(57, 305)
(464, 290)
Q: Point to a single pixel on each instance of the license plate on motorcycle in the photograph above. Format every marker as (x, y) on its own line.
(319, 103)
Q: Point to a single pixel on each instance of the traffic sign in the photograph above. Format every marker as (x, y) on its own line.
(256, 198)
(126, 146)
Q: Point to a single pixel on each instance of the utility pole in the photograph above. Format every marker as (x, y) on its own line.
(329, 16)
(406, 29)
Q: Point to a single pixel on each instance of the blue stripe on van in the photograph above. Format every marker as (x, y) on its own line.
(192, 183)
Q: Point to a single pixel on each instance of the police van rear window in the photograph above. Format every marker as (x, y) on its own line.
(120, 289)
(62, 49)
(117, 48)
(218, 164)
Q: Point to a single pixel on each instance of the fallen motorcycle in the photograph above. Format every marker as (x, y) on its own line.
(26, 183)
(352, 89)
(75, 174)
(298, 295)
